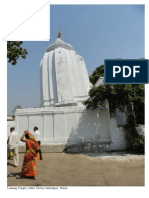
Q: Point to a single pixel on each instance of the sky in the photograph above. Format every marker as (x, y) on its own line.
(96, 32)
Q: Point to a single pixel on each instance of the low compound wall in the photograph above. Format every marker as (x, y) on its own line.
(74, 130)
(65, 125)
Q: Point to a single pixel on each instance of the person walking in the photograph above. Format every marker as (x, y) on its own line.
(29, 168)
(13, 145)
(38, 139)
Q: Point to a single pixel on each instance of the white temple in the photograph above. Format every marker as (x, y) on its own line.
(62, 118)
(64, 78)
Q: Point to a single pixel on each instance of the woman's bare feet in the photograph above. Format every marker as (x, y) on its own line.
(18, 177)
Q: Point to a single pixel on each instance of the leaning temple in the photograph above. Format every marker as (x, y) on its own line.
(63, 120)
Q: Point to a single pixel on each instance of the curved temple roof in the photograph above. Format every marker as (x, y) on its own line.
(59, 43)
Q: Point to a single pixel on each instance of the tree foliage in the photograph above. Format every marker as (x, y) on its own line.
(136, 140)
(14, 51)
(118, 95)
(99, 72)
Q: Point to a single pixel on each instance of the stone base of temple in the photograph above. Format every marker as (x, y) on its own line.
(71, 129)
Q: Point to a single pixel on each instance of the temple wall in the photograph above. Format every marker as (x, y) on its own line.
(78, 129)
(120, 117)
(117, 136)
(73, 129)
(65, 125)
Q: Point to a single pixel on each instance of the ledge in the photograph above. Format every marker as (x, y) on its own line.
(95, 147)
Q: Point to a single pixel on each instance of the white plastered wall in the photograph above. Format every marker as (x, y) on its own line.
(65, 124)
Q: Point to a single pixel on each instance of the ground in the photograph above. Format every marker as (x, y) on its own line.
(61, 169)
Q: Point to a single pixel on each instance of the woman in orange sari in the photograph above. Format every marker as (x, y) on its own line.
(29, 168)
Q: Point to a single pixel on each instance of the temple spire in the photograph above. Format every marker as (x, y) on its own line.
(59, 34)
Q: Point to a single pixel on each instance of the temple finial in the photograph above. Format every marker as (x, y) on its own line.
(59, 34)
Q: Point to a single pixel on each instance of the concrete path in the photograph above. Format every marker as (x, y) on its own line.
(60, 169)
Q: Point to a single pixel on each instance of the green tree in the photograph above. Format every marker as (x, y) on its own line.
(99, 72)
(118, 95)
(14, 51)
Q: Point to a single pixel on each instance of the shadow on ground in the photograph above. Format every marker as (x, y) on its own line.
(18, 174)
(9, 164)
(110, 153)
(13, 174)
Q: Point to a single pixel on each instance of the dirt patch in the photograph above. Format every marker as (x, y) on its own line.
(101, 169)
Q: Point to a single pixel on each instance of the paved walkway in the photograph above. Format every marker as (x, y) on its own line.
(60, 169)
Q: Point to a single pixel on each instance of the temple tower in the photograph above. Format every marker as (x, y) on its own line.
(64, 77)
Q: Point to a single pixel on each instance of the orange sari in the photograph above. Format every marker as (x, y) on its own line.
(29, 168)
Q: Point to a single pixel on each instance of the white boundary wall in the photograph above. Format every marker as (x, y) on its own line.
(65, 124)
(72, 126)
